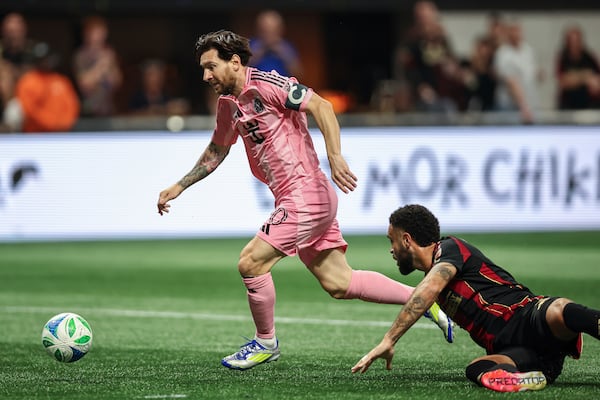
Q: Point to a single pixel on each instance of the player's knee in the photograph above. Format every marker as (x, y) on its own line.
(251, 265)
(556, 320)
(246, 265)
(334, 290)
(554, 313)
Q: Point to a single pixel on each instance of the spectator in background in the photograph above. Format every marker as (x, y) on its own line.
(427, 63)
(270, 50)
(518, 74)
(479, 77)
(6, 83)
(496, 33)
(96, 69)
(578, 73)
(15, 47)
(48, 100)
(16, 55)
(152, 97)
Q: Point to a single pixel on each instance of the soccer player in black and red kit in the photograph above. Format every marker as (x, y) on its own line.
(526, 336)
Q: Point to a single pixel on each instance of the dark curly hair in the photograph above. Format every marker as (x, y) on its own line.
(417, 220)
(226, 43)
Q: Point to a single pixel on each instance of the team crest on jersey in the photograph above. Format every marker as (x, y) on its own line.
(258, 106)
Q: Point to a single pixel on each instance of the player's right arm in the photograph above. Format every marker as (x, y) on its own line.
(422, 298)
(210, 159)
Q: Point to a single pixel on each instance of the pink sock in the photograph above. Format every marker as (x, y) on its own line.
(261, 298)
(377, 288)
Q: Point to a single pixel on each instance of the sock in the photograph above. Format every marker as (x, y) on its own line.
(377, 288)
(261, 298)
(506, 367)
(579, 318)
(476, 369)
(268, 343)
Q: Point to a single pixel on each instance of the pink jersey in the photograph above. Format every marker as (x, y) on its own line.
(268, 115)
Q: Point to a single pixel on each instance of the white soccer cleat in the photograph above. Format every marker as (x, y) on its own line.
(436, 314)
(250, 355)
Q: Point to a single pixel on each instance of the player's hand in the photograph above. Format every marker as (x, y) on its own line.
(341, 174)
(384, 350)
(168, 194)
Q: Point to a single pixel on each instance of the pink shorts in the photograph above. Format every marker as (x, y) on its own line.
(304, 222)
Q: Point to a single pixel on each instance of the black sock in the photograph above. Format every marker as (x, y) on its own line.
(475, 370)
(579, 318)
(506, 367)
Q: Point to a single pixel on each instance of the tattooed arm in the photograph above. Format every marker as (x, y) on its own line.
(424, 295)
(210, 159)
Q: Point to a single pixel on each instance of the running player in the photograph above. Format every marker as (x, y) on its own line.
(526, 336)
(268, 111)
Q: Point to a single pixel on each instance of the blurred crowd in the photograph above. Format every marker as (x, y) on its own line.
(500, 74)
(36, 97)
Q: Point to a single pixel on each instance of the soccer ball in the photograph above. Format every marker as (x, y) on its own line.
(67, 337)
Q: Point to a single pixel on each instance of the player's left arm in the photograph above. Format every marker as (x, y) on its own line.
(424, 295)
(322, 111)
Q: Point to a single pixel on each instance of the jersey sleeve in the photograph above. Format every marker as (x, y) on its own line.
(224, 133)
(292, 95)
(449, 252)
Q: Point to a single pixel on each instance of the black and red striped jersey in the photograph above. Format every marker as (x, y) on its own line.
(482, 297)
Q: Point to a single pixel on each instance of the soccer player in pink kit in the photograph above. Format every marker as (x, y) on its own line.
(268, 111)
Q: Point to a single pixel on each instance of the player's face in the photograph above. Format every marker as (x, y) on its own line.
(400, 253)
(217, 72)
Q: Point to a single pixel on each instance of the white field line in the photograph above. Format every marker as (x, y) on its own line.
(113, 312)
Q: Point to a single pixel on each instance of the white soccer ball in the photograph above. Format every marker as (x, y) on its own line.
(67, 337)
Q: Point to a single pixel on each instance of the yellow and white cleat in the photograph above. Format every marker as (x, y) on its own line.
(436, 314)
(250, 355)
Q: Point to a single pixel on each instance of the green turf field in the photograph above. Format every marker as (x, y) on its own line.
(163, 313)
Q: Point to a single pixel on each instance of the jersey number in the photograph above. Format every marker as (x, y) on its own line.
(251, 128)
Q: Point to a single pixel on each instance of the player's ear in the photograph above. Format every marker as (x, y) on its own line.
(406, 239)
(236, 62)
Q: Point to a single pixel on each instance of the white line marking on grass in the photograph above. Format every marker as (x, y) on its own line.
(206, 317)
(165, 396)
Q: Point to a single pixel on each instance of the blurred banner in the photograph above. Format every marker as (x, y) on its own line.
(105, 186)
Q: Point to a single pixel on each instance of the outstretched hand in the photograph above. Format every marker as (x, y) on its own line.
(384, 350)
(166, 195)
(341, 174)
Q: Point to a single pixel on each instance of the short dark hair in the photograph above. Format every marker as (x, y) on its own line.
(226, 43)
(417, 220)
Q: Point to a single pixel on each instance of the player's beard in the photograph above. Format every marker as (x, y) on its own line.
(405, 264)
(223, 88)
(226, 90)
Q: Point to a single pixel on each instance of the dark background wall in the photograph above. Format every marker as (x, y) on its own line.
(344, 44)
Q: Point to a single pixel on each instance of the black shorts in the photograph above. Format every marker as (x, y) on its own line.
(528, 341)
